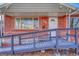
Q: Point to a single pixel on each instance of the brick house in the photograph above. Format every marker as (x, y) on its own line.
(28, 17)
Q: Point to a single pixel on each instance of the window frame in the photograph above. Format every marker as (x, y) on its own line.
(69, 24)
(15, 23)
(25, 28)
(72, 22)
(38, 22)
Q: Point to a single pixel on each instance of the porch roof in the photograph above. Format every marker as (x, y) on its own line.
(53, 9)
(75, 5)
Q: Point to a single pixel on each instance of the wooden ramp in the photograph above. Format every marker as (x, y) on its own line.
(45, 42)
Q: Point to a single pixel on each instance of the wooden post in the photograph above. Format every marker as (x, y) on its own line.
(57, 52)
(50, 35)
(12, 45)
(19, 39)
(76, 41)
(34, 39)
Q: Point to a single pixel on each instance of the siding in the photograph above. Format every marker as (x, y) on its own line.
(9, 25)
(62, 22)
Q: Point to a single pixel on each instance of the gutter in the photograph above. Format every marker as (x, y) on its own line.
(67, 5)
(70, 6)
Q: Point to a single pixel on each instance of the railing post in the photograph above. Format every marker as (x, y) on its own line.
(33, 40)
(67, 37)
(1, 42)
(19, 39)
(50, 35)
(12, 44)
(75, 36)
(76, 40)
(57, 41)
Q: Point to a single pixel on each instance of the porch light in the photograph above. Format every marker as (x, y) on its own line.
(60, 6)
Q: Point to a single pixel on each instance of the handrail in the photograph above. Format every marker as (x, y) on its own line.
(39, 31)
(35, 32)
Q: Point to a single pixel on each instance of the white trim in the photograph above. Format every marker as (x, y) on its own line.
(15, 22)
(37, 24)
(67, 5)
(53, 33)
(52, 18)
(75, 12)
(3, 5)
(66, 21)
(69, 18)
(4, 12)
(20, 23)
(2, 24)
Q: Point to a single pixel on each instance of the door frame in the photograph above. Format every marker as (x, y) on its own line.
(54, 32)
(52, 18)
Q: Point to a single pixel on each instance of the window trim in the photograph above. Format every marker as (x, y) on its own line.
(73, 21)
(15, 23)
(20, 23)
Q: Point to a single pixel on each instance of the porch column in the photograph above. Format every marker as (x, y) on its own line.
(2, 25)
(69, 19)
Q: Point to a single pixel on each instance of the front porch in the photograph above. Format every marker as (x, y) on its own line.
(51, 42)
(21, 18)
(32, 27)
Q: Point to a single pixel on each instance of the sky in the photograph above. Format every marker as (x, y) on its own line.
(76, 5)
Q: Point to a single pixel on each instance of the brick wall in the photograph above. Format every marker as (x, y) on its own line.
(62, 22)
(10, 23)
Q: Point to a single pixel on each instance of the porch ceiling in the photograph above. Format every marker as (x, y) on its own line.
(26, 9)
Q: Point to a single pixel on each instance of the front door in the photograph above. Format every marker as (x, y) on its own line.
(53, 25)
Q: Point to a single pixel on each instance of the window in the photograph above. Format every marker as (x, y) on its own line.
(26, 23)
(74, 22)
(77, 23)
(17, 23)
(71, 23)
(36, 23)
